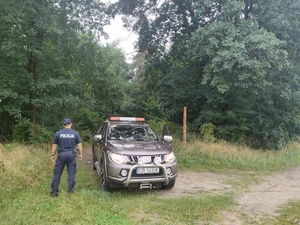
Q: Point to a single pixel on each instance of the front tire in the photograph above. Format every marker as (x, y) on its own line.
(104, 184)
(94, 158)
(169, 186)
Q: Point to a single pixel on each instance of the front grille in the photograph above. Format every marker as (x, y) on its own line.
(134, 159)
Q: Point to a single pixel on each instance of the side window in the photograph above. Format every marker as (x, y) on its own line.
(104, 130)
(165, 131)
(99, 129)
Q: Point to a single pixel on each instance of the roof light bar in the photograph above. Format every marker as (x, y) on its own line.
(130, 119)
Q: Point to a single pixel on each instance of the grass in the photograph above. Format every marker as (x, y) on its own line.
(201, 156)
(26, 173)
(289, 214)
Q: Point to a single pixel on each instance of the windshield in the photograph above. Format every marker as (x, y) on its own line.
(131, 132)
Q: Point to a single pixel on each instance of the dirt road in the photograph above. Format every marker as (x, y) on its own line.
(260, 200)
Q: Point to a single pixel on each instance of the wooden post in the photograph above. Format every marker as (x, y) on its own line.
(184, 125)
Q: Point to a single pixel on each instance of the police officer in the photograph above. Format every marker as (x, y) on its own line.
(65, 142)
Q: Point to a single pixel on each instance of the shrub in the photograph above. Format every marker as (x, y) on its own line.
(207, 131)
(29, 133)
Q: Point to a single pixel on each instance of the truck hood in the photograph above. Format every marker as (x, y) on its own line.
(137, 147)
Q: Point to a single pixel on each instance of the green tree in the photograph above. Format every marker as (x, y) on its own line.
(233, 63)
(51, 63)
(243, 68)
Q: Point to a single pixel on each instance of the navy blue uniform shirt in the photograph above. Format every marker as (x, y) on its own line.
(66, 139)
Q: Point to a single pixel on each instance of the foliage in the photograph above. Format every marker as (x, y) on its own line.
(29, 133)
(232, 63)
(243, 56)
(207, 131)
(52, 66)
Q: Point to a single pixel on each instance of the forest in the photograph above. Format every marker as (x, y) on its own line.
(233, 63)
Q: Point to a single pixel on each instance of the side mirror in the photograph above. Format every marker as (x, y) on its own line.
(168, 138)
(98, 137)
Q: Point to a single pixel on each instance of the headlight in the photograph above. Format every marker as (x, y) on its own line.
(170, 157)
(119, 159)
(157, 160)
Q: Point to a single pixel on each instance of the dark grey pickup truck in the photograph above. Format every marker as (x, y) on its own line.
(128, 154)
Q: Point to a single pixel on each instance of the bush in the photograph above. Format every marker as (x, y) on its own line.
(29, 133)
(207, 131)
(21, 131)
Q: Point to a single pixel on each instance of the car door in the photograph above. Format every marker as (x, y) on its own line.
(102, 142)
(97, 146)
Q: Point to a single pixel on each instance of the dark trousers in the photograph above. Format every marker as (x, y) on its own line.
(64, 158)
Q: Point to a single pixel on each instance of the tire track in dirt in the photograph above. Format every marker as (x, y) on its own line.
(264, 199)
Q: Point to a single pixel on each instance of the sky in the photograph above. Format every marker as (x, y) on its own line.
(124, 38)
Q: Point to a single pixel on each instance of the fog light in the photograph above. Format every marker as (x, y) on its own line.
(124, 173)
(169, 171)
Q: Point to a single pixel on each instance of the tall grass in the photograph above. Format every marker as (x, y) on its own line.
(203, 156)
(22, 167)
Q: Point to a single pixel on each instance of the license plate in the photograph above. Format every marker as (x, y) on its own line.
(146, 170)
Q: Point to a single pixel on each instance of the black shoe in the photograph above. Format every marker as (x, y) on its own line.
(71, 191)
(54, 194)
